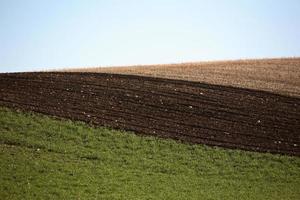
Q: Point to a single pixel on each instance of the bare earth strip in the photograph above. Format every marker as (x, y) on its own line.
(281, 76)
(188, 111)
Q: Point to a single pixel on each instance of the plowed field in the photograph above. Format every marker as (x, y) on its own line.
(188, 111)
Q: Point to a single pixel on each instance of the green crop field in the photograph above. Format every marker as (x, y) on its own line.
(46, 158)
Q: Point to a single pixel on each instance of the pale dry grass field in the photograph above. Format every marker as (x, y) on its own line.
(274, 75)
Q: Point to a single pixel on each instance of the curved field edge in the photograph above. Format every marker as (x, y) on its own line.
(274, 75)
(43, 157)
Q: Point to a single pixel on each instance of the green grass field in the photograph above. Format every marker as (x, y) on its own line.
(46, 158)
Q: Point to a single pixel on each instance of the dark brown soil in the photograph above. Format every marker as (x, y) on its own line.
(188, 111)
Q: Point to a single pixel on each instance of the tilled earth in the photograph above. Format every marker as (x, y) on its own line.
(188, 111)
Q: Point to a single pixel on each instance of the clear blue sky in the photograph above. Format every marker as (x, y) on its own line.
(47, 34)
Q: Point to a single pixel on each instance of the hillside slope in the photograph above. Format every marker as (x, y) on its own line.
(43, 158)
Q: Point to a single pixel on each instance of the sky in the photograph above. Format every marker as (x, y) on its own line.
(54, 34)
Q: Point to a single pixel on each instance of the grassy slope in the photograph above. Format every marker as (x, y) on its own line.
(42, 157)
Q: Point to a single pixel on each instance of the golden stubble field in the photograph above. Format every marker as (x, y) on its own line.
(274, 75)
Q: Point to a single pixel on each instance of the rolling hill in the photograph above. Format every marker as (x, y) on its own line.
(211, 130)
